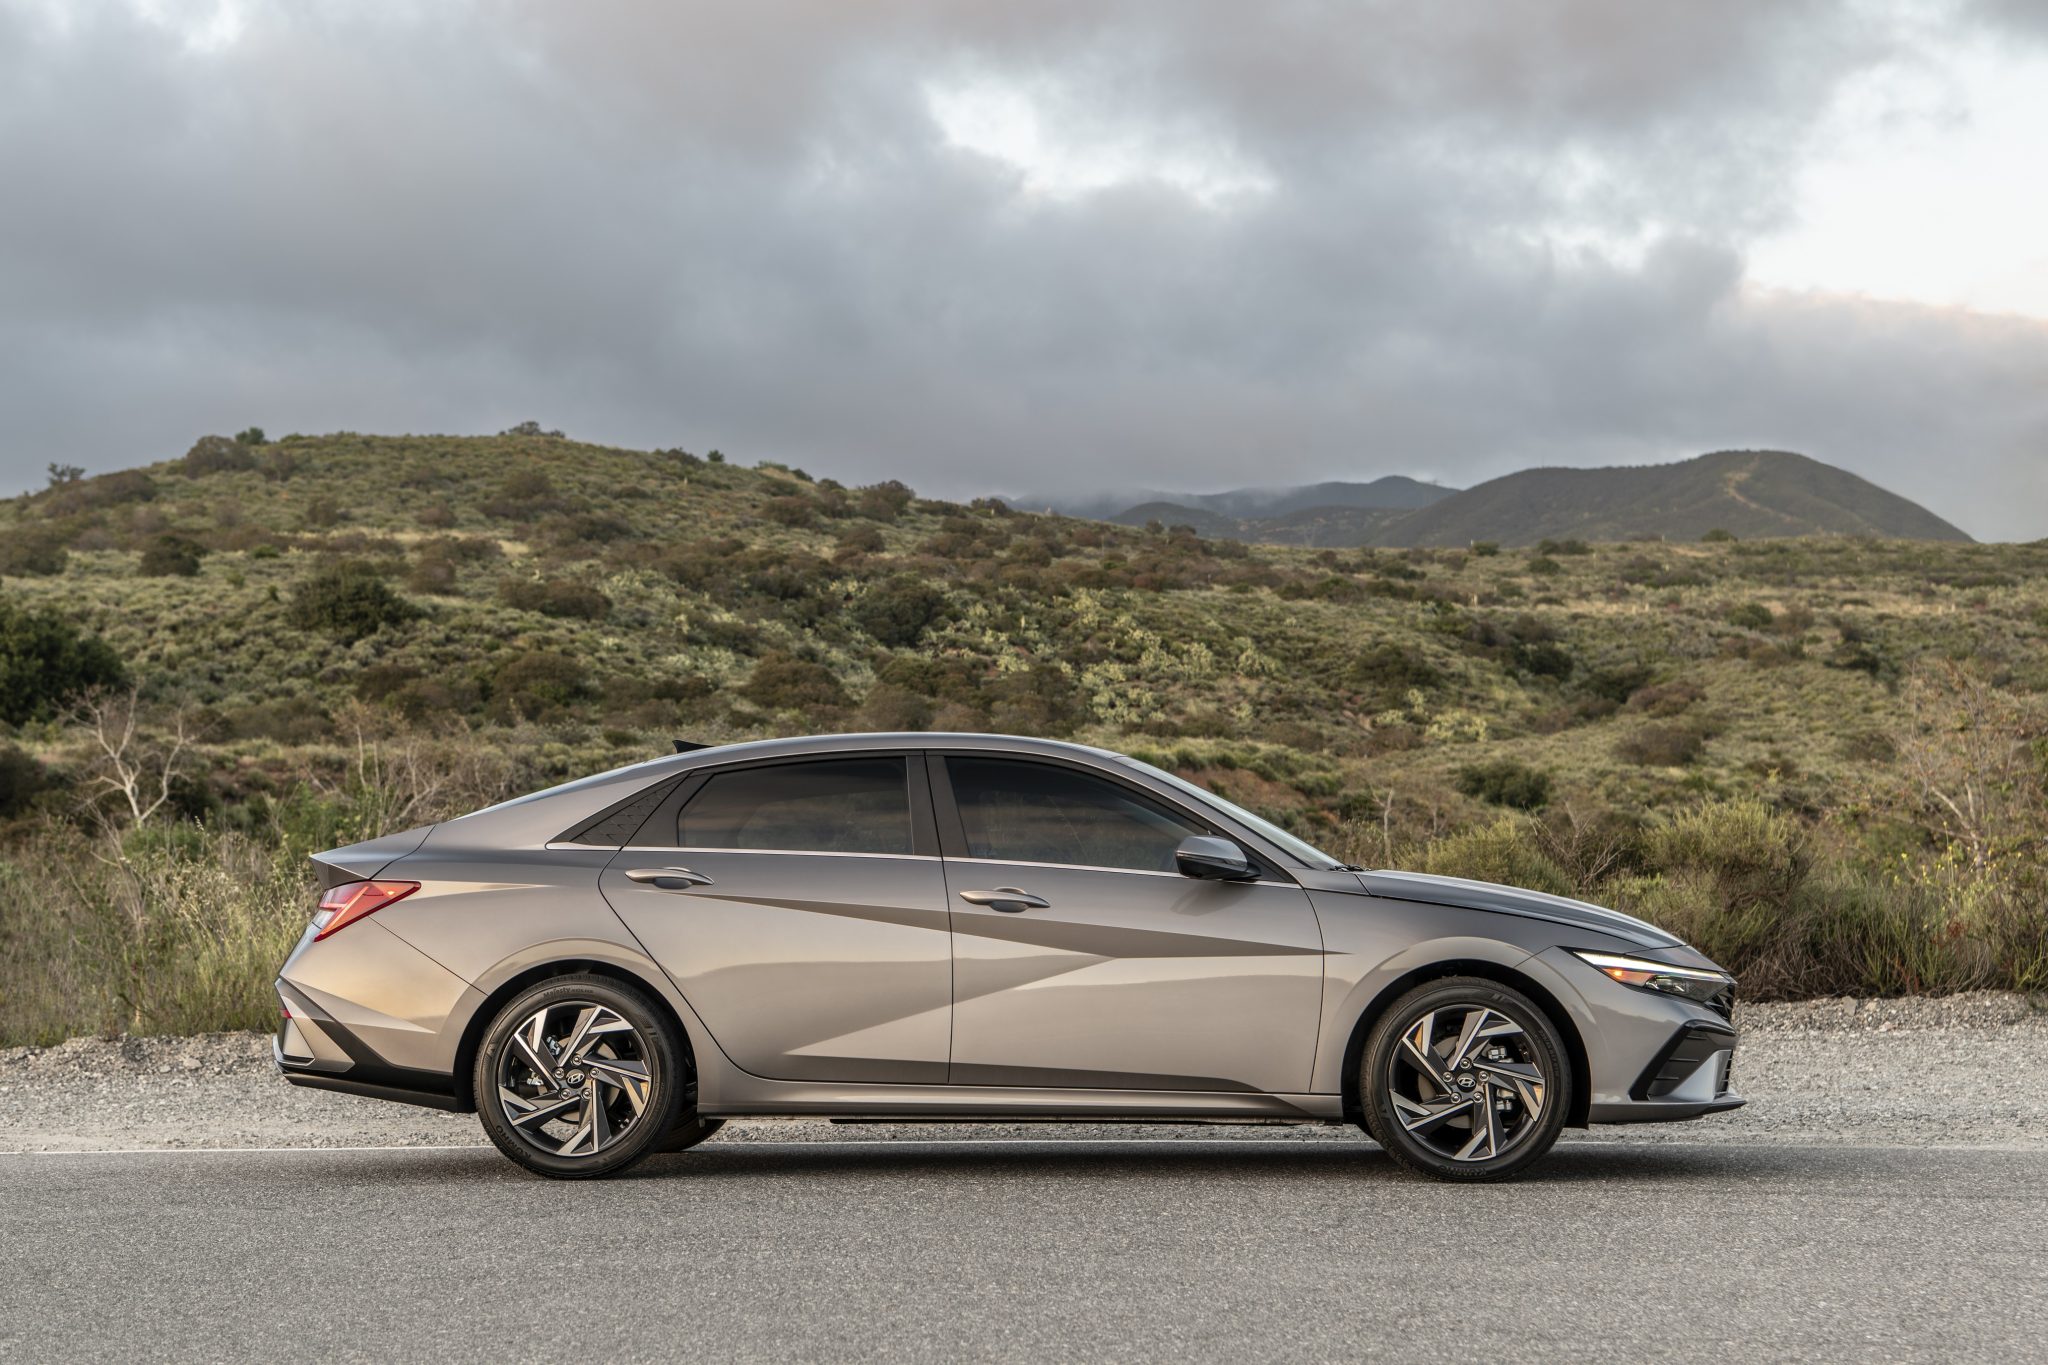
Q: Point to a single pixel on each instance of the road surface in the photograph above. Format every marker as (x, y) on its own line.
(1046, 1250)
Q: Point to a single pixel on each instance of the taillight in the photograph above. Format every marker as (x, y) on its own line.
(345, 904)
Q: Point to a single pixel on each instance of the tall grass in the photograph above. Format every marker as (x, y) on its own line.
(180, 928)
(176, 931)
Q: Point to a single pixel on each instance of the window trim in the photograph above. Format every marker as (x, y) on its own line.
(574, 836)
(924, 839)
(953, 831)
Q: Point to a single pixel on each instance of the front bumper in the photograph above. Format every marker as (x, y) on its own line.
(1687, 1078)
(1650, 1058)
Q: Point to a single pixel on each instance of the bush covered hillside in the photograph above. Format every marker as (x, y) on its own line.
(1821, 759)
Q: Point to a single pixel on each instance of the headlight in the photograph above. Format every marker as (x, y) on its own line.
(1693, 983)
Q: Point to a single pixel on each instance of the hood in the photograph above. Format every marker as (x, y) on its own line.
(1509, 900)
(359, 862)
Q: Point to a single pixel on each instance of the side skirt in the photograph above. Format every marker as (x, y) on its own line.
(966, 1104)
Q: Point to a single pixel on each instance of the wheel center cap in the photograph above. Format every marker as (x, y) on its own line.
(575, 1078)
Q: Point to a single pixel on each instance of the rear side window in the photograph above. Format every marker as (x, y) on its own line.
(1039, 813)
(839, 805)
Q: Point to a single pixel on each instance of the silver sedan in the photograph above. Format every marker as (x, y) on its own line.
(919, 926)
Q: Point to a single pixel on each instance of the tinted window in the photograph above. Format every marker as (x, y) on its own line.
(840, 805)
(1038, 813)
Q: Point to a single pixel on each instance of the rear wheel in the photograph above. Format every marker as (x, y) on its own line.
(580, 1076)
(1464, 1079)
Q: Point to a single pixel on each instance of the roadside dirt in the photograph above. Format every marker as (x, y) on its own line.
(1968, 1070)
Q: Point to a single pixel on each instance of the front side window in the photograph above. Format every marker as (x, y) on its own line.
(838, 805)
(1039, 813)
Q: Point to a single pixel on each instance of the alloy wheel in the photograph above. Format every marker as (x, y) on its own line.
(1466, 1082)
(573, 1079)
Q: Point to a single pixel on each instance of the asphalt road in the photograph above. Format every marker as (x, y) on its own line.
(1026, 1250)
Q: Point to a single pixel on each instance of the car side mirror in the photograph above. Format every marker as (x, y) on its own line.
(1213, 859)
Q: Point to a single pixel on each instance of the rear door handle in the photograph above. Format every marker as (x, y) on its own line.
(668, 878)
(1007, 898)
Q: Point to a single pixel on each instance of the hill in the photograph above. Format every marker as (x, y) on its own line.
(357, 633)
(1749, 493)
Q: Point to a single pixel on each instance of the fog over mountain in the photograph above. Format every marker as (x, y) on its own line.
(1059, 247)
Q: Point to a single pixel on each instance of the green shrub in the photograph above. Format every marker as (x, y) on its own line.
(561, 598)
(1506, 782)
(1717, 536)
(1663, 746)
(783, 682)
(538, 683)
(1749, 854)
(1544, 566)
(38, 552)
(525, 495)
(1391, 671)
(170, 556)
(1666, 699)
(46, 662)
(347, 601)
(861, 540)
(899, 610)
(883, 501)
(217, 455)
(22, 779)
(1485, 549)
(1750, 616)
(887, 707)
(1563, 547)
(792, 509)
(1503, 852)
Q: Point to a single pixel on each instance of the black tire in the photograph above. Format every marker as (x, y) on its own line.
(636, 1135)
(1455, 1102)
(692, 1130)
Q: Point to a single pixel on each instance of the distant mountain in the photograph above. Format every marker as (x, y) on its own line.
(1751, 493)
(1393, 491)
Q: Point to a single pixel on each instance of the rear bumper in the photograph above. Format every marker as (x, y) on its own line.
(300, 1075)
(312, 1050)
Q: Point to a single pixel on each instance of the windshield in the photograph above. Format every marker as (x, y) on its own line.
(1299, 849)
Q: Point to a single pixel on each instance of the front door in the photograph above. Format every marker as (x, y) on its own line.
(1116, 972)
(793, 907)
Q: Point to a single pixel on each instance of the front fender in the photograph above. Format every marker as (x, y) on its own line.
(1352, 985)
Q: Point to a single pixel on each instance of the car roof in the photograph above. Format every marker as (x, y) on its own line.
(898, 739)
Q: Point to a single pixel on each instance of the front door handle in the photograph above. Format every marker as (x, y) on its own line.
(668, 878)
(1007, 898)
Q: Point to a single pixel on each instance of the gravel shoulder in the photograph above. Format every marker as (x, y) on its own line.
(1968, 1070)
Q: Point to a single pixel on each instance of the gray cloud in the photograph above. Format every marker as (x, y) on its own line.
(1489, 237)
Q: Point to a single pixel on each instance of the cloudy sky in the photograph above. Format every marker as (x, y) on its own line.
(1042, 247)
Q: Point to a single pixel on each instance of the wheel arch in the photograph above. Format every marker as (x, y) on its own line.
(1574, 1045)
(507, 990)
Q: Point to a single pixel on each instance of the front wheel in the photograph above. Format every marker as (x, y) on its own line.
(1464, 1079)
(580, 1076)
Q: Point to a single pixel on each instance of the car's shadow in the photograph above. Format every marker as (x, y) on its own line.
(1236, 1160)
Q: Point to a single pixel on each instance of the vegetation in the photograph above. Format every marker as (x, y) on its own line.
(1823, 759)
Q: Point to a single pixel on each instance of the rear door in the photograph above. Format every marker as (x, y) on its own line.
(799, 905)
(1128, 975)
